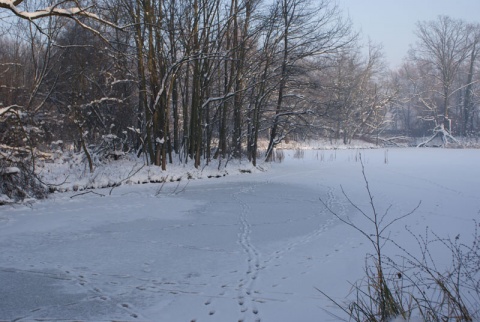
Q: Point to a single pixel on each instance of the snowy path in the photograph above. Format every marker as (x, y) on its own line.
(252, 247)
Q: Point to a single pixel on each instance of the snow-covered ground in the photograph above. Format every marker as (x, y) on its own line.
(248, 247)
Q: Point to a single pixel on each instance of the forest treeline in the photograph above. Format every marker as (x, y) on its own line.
(204, 80)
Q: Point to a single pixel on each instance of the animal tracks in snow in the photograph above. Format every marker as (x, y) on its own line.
(255, 216)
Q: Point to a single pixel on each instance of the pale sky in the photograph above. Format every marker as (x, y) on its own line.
(392, 22)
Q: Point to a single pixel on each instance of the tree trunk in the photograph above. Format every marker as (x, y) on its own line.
(281, 87)
(467, 103)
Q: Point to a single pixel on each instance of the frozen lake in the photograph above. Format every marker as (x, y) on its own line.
(250, 247)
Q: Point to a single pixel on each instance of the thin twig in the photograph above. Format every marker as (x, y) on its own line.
(130, 174)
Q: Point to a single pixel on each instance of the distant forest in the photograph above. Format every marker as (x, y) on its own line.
(198, 80)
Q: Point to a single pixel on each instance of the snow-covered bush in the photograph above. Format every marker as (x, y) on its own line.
(110, 147)
(18, 182)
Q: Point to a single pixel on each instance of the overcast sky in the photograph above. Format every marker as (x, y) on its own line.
(392, 22)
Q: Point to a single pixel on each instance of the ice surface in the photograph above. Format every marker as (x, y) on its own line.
(249, 247)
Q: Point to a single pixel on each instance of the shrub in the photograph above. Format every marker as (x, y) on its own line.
(18, 182)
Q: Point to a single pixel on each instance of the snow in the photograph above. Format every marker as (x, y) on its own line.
(248, 247)
(4, 110)
(4, 199)
(9, 171)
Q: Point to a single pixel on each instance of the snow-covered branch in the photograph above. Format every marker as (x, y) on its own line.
(102, 100)
(55, 10)
(5, 110)
(25, 150)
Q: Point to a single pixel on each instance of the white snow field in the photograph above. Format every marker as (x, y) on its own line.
(249, 247)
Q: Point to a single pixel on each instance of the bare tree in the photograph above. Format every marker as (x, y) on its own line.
(407, 109)
(31, 112)
(468, 101)
(304, 32)
(89, 88)
(356, 94)
(444, 44)
(25, 62)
